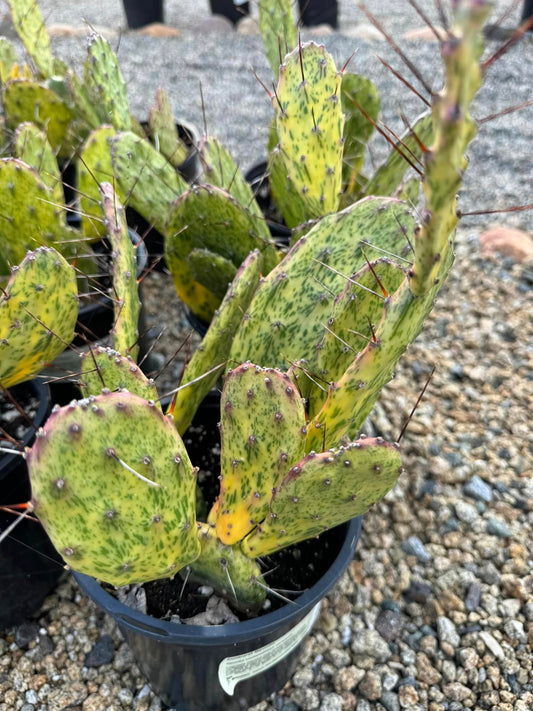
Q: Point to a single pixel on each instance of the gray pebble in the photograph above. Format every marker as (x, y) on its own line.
(27, 707)
(514, 629)
(363, 705)
(495, 527)
(414, 546)
(389, 680)
(390, 701)
(465, 512)
(389, 624)
(418, 592)
(331, 702)
(473, 597)
(447, 632)
(102, 652)
(370, 644)
(478, 489)
(25, 633)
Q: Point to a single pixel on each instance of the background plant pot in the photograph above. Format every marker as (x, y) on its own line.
(232, 666)
(203, 668)
(143, 12)
(190, 170)
(29, 564)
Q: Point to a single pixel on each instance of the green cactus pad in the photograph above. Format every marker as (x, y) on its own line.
(26, 100)
(106, 84)
(388, 176)
(358, 95)
(310, 126)
(221, 170)
(29, 25)
(38, 311)
(28, 217)
(355, 315)
(32, 147)
(231, 573)
(206, 217)
(262, 433)
(324, 490)
(104, 519)
(94, 167)
(125, 294)
(211, 270)
(8, 58)
(163, 131)
(287, 317)
(106, 368)
(209, 359)
(145, 176)
(278, 30)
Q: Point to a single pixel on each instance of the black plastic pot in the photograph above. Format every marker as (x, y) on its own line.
(257, 177)
(232, 666)
(29, 564)
(233, 11)
(143, 12)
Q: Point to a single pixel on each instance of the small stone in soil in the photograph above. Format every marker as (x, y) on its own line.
(102, 652)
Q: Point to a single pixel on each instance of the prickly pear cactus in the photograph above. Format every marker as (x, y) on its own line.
(27, 100)
(32, 147)
(163, 131)
(278, 30)
(324, 490)
(8, 58)
(310, 123)
(220, 170)
(29, 217)
(228, 570)
(126, 304)
(114, 488)
(211, 270)
(360, 104)
(145, 176)
(262, 432)
(94, 167)
(389, 175)
(38, 311)
(289, 314)
(106, 368)
(209, 359)
(29, 25)
(106, 84)
(206, 217)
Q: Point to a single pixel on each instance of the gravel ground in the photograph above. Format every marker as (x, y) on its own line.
(436, 610)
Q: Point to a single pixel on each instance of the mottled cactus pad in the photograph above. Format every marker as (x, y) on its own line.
(115, 490)
(262, 433)
(38, 312)
(106, 368)
(324, 490)
(29, 25)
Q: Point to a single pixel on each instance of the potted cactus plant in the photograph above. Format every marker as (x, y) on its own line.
(304, 351)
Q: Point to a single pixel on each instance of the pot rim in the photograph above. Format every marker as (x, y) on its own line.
(173, 633)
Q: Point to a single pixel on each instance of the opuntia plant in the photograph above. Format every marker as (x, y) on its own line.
(306, 350)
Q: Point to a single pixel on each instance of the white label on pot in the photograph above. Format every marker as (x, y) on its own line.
(243, 666)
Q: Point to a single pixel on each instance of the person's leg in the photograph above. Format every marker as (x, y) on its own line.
(143, 12)
(234, 10)
(318, 12)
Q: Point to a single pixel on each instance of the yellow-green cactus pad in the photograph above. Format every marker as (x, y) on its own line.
(115, 490)
(324, 490)
(105, 368)
(38, 311)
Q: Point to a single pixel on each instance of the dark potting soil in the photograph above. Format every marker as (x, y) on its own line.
(18, 409)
